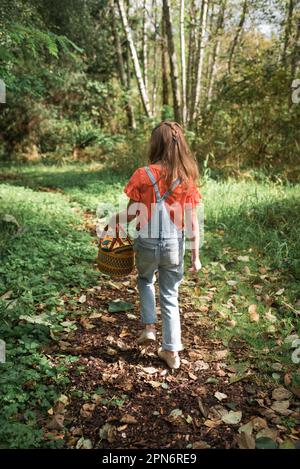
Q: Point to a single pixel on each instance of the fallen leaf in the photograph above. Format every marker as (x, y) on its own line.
(231, 283)
(6, 295)
(220, 396)
(270, 317)
(246, 428)
(117, 306)
(267, 433)
(281, 407)
(265, 443)
(129, 419)
(176, 416)
(131, 316)
(258, 423)
(287, 444)
(64, 399)
(150, 370)
(108, 319)
(201, 365)
(95, 315)
(82, 299)
(200, 445)
(212, 423)
(84, 443)
(87, 410)
(252, 310)
(246, 441)
(107, 432)
(57, 422)
(86, 324)
(192, 376)
(155, 384)
(232, 418)
(217, 412)
(203, 409)
(281, 394)
(243, 258)
(279, 292)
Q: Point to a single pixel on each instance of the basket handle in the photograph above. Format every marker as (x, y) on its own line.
(117, 237)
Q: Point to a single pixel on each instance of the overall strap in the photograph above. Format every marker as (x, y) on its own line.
(160, 198)
(153, 180)
(169, 191)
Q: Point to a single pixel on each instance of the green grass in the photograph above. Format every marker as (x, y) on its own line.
(50, 257)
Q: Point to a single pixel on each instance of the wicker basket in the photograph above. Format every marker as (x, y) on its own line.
(117, 260)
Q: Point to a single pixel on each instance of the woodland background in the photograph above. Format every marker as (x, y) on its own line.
(87, 79)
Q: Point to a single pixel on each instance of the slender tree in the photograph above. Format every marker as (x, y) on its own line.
(135, 60)
(191, 58)
(198, 84)
(183, 65)
(121, 69)
(155, 54)
(145, 44)
(288, 29)
(164, 64)
(173, 60)
(215, 51)
(237, 35)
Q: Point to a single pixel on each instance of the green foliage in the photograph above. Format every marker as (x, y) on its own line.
(45, 258)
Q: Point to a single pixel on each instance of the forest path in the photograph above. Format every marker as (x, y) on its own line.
(123, 396)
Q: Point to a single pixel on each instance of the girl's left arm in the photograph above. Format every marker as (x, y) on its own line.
(126, 216)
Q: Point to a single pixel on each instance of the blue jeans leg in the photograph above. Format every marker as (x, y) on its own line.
(146, 263)
(169, 281)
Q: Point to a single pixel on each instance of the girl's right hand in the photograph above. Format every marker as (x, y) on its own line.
(196, 265)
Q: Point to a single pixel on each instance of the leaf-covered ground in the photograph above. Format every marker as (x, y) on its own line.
(74, 376)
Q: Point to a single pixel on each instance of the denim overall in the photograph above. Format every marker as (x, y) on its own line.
(162, 253)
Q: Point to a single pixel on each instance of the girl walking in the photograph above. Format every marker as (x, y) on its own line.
(164, 196)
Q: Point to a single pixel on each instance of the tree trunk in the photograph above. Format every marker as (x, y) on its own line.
(173, 60)
(237, 35)
(164, 64)
(145, 45)
(288, 28)
(183, 66)
(125, 83)
(203, 22)
(154, 88)
(135, 60)
(191, 59)
(295, 57)
(215, 53)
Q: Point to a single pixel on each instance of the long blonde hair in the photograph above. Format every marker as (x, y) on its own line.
(169, 146)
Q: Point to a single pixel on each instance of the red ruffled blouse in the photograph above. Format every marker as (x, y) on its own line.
(140, 189)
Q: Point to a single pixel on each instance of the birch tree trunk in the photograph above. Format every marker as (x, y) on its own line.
(145, 45)
(173, 60)
(295, 57)
(164, 64)
(135, 60)
(237, 35)
(125, 83)
(155, 53)
(288, 28)
(203, 22)
(215, 53)
(183, 65)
